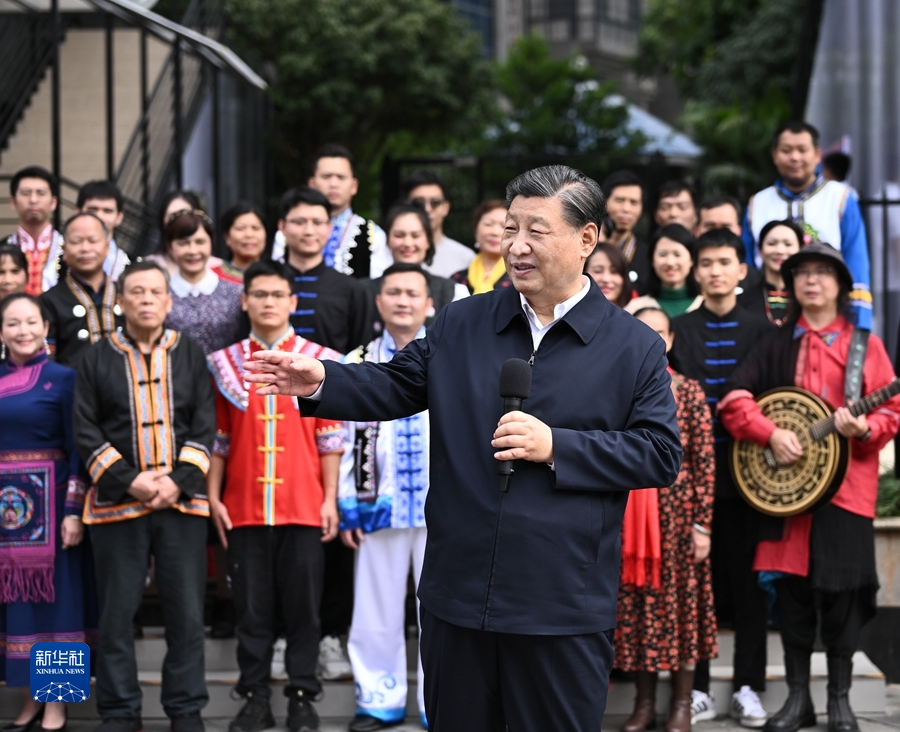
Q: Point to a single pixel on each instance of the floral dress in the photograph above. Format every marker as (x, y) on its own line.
(662, 629)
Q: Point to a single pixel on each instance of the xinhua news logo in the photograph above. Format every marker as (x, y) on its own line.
(60, 672)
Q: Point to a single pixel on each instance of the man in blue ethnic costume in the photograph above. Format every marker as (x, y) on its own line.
(45, 588)
(145, 423)
(381, 498)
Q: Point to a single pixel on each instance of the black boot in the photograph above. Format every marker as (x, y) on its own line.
(798, 710)
(840, 676)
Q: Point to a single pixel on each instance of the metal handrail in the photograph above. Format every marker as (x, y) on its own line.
(216, 53)
(27, 54)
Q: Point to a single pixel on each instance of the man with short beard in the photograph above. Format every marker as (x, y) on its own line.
(82, 308)
(827, 210)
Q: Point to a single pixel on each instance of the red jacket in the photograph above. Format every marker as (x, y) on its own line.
(819, 368)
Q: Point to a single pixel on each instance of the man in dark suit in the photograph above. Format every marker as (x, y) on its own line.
(519, 589)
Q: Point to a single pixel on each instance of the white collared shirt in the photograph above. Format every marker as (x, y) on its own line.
(538, 331)
(182, 288)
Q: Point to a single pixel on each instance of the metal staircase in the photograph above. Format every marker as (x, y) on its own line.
(171, 101)
(26, 52)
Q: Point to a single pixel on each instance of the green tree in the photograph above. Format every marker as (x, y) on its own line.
(557, 106)
(734, 63)
(378, 76)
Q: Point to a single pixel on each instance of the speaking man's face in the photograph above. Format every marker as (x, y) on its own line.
(544, 253)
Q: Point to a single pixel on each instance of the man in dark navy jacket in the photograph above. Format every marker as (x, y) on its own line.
(518, 590)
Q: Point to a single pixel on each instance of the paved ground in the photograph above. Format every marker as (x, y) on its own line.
(887, 722)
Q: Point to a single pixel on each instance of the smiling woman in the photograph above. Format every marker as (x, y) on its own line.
(411, 241)
(671, 286)
(204, 306)
(42, 576)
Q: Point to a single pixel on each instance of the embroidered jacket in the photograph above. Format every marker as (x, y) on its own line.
(828, 211)
(44, 259)
(708, 348)
(332, 309)
(77, 319)
(384, 477)
(356, 247)
(137, 412)
(273, 477)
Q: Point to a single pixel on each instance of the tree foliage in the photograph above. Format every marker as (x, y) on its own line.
(733, 61)
(557, 106)
(371, 74)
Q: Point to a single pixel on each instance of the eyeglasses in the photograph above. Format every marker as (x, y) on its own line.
(277, 296)
(428, 203)
(808, 273)
(303, 222)
(184, 211)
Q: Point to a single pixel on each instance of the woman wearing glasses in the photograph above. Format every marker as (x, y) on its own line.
(205, 307)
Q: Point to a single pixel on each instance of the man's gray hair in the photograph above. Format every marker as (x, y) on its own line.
(581, 197)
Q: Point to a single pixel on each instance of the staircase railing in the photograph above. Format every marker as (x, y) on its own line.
(150, 164)
(26, 51)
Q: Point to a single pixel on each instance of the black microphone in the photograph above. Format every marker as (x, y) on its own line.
(515, 386)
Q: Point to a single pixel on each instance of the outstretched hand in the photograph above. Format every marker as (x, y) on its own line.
(290, 374)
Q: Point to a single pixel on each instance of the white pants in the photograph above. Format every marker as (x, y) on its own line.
(377, 643)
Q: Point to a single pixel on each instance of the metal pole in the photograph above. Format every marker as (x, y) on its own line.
(56, 129)
(110, 100)
(885, 261)
(145, 139)
(215, 142)
(179, 147)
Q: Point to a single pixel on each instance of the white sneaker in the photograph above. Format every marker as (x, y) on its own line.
(333, 663)
(703, 706)
(746, 707)
(276, 671)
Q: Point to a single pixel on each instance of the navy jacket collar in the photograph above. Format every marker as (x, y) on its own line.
(584, 318)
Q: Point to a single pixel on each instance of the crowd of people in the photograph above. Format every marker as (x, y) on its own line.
(125, 408)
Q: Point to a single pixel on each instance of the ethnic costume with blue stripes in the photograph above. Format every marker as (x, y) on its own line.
(708, 348)
(333, 309)
(382, 490)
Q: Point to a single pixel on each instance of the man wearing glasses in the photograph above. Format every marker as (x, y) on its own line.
(427, 190)
(824, 561)
(278, 507)
(333, 309)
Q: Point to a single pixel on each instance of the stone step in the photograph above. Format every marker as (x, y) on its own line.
(867, 694)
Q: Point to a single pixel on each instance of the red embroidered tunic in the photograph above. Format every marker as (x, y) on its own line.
(820, 368)
(273, 475)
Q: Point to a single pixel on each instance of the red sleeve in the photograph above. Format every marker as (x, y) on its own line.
(884, 420)
(743, 419)
(329, 436)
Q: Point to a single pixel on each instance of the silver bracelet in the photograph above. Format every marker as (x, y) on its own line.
(702, 530)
